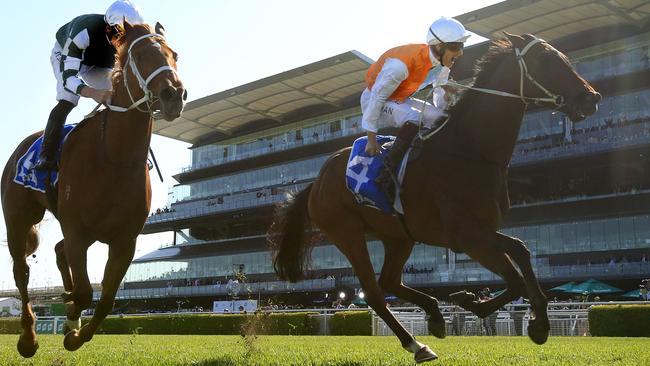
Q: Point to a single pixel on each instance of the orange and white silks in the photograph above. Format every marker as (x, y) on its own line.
(417, 60)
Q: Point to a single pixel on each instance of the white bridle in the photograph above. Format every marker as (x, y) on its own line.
(554, 99)
(148, 96)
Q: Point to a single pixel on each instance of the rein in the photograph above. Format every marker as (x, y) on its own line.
(555, 99)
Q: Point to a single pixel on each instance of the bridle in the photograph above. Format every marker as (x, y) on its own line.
(557, 100)
(148, 96)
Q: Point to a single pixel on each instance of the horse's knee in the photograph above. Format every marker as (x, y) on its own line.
(517, 249)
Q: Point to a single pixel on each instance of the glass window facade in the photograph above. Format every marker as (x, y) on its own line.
(612, 109)
(268, 176)
(572, 237)
(614, 64)
(302, 133)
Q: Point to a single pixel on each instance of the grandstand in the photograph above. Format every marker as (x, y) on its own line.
(580, 192)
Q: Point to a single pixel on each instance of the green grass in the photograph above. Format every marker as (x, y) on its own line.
(174, 350)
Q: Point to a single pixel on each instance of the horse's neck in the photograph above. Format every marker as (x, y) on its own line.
(127, 134)
(489, 125)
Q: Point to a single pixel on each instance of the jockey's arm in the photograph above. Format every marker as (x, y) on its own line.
(392, 74)
(71, 64)
(71, 57)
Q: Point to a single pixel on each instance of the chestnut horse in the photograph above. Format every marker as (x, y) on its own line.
(103, 192)
(454, 195)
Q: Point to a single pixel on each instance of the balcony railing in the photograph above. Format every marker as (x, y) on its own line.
(241, 290)
(231, 203)
(307, 140)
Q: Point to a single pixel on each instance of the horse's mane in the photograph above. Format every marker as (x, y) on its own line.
(484, 70)
(121, 43)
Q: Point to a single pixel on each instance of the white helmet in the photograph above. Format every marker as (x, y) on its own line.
(122, 10)
(446, 30)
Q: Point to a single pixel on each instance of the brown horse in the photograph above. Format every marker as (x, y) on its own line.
(454, 195)
(104, 191)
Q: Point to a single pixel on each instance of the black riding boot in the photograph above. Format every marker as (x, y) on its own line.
(52, 135)
(401, 144)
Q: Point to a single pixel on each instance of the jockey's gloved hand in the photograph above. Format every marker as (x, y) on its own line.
(100, 96)
(372, 148)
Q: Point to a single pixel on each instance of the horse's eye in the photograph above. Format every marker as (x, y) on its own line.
(175, 56)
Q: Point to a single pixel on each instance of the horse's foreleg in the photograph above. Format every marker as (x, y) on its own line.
(538, 325)
(497, 262)
(396, 253)
(76, 253)
(119, 259)
(62, 264)
(17, 242)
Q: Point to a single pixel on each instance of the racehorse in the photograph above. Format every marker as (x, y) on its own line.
(103, 191)
(454, 195)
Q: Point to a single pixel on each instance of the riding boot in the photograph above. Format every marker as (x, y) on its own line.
(52, 135)
(391, 162)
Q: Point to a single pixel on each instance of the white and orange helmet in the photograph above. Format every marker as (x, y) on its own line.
(446, 30)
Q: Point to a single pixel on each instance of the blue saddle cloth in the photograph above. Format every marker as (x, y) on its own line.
(36, 179)
(361, 173)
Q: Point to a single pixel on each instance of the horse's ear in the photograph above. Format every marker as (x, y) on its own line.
(516, 40)
(160, 29)
(127, 26)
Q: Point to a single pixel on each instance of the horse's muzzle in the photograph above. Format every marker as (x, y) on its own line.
(584, 106)
(172, 102)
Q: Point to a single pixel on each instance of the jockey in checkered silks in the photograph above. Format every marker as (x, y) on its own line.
(82, 60)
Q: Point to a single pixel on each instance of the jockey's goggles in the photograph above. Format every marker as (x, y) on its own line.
(454, 46)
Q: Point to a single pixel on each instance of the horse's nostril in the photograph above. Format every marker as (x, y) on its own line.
(184, 94)
(167, 94)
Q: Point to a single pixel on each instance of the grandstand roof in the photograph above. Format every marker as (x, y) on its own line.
(555, 19)
(321, 87)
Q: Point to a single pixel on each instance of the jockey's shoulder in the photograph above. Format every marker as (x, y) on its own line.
(81, 22)
(90, 23)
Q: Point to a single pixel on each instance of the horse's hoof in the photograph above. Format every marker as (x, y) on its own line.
(425, 354)
(538, 331)
(72, 341)
(462, 298)
(26, 348)
(437, 329)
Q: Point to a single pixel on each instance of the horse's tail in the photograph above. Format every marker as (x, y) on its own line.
(288, 237)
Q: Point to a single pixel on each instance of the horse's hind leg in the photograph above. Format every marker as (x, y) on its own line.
(119, 259)
(22, 240)
(396, 253)
(351, 241)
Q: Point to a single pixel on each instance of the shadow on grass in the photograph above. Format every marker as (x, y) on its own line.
(227, 361)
